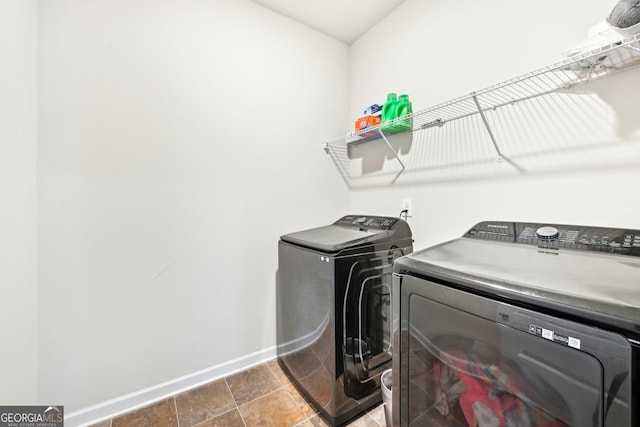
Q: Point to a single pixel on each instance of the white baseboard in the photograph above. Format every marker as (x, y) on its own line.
(132, 401)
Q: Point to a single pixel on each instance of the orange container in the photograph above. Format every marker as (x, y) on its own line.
(367, 121)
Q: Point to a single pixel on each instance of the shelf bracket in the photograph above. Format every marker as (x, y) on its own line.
(328, 149)
(486, 124)
(394, 153)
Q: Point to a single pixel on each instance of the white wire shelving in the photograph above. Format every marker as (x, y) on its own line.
(576, 70)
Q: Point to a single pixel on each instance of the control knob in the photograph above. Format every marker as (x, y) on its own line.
(548, 234)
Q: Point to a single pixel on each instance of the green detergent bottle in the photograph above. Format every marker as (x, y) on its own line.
(389, 111)
(403, 108)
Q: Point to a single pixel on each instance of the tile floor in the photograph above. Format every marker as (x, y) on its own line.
(259, 396)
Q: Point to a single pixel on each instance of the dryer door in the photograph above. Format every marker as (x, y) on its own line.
(467, 360)
(366, 315)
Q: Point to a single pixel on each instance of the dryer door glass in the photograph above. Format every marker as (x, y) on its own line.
(471, 361)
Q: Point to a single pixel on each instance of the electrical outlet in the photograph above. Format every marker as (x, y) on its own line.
(407, 205)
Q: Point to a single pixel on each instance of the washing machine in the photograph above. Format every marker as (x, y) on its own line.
(519, 324)
(334, 310)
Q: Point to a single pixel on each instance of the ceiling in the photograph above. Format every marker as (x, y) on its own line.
(344, 20)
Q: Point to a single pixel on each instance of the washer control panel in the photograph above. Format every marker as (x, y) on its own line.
(575, 237)
(367, 222)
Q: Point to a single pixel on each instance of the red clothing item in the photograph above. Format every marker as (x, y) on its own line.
(489, 395)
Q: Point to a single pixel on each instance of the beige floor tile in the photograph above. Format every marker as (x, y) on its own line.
(260, 396)
(253, 383)
(307, 408)
(278, 372)
(378, 415)
(318, 421)
(276, 409)
(161, 414)
(204, 402)
(364, 421)
(228, 419)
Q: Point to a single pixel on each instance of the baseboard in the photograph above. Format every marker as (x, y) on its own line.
(132, 401)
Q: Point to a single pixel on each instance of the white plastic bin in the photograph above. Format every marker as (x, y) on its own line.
(386, 381)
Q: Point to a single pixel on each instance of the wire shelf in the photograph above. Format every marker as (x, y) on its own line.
(575, 70)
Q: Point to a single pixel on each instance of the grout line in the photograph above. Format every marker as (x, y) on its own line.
(230, 392)
(275, 374)
(237, 408)
(264, 395)
(280, 387)
(175, 408)
(296, 403)
(301, 422)
(219, 415)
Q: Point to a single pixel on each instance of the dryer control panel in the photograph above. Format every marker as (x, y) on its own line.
(367, 222)
(560, 236)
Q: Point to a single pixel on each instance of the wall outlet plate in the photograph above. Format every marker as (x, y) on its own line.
(407, 205)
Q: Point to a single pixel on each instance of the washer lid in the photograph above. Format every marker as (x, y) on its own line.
(590, 284)
(351, 231)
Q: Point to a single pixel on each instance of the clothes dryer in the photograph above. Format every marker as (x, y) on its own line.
(334, 310)
(522, 324)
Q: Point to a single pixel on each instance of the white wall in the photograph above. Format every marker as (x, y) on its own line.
(18, 265)
(178, 141)
(439, 50)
